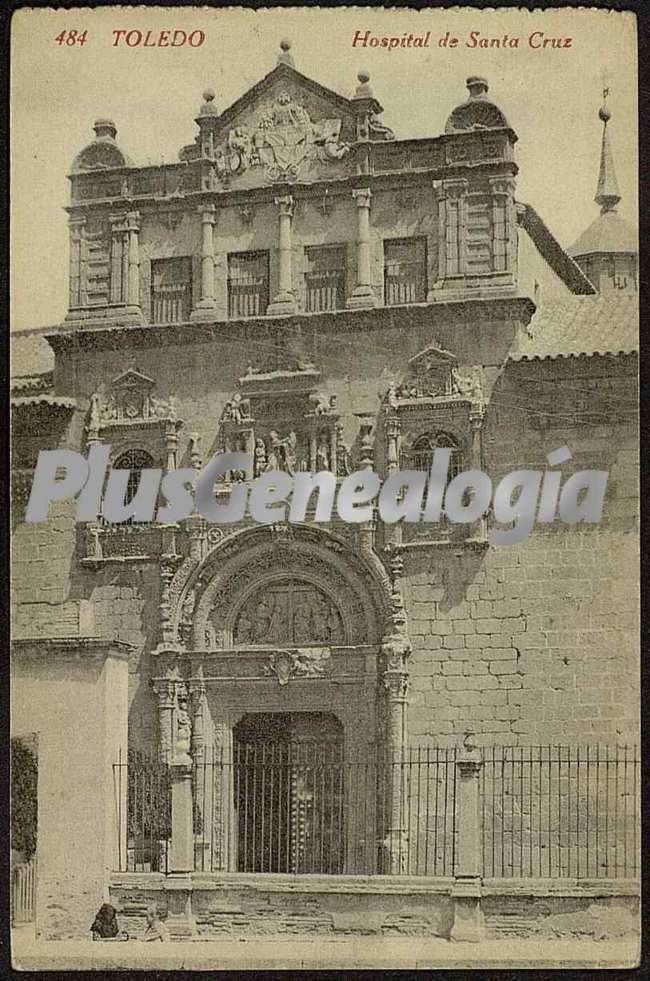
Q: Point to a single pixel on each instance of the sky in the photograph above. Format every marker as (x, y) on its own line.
(550, 96)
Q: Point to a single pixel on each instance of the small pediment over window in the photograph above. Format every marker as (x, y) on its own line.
(130, 399)
(433, 375)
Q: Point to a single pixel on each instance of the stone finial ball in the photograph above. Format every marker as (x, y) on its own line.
(363, 77)
(208, 95)
(285, 44)
(604, 114)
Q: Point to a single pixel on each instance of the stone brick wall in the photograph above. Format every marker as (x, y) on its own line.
(516, 644)
(538, 642)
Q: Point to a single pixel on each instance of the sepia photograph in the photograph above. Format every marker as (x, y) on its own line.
(324, 356)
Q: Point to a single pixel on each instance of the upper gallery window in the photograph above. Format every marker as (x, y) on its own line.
(405, 270)
(171, 290)
(136, 461)
(248, 284)
(424, 447)
(325, 278)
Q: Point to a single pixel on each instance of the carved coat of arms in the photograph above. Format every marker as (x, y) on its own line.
(284, 138)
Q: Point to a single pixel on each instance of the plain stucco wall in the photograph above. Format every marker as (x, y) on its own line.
(79, 708)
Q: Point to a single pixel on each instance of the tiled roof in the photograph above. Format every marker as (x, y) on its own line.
(608, 233)
(582, 325)
(55, 401)
(30, 356)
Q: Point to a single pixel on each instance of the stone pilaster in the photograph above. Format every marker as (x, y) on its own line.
(466, 892)
(77, 286)
(133, 278)
(205, 309)
(452, 228)
(362, 295)
(119, 259)
(504, 226)
(181, 856)
(284, 301)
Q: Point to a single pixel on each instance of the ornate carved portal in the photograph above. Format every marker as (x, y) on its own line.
(295, 625)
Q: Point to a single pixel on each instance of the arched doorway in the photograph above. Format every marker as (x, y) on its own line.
(280, 639)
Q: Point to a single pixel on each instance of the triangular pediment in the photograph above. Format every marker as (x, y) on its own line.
(132, 378)
(317, 97)
(432, 356)
(286, 128)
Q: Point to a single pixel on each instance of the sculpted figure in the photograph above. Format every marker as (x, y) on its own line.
(319, 619)
(232, 409)
(302, 625)
(183, 728)
(241, 145)
(322, 453)
(262, 621)
(244, 630)
(259, 458)
(94, 414)
(391, 395)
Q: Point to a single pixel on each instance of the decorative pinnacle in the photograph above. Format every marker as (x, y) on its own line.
(284, 58)
(478, 87)
(607, 192)
(105, 128)
(208, 108)
(363, 90)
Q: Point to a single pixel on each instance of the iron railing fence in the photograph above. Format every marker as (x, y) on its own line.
(313, 808)
(560, 811)
(324, 290)
(143, 787)
(171, 303)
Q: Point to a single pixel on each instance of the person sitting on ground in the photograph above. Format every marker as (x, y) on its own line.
(105, 925)
(156, 930)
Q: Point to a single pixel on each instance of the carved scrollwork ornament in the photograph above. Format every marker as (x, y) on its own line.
(397, 685)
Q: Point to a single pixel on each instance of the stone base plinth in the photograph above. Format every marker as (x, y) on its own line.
(204, 311)
(362, 298)
(468, 917)
(283, 303)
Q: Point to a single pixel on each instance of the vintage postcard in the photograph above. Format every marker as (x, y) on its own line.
(325, 568)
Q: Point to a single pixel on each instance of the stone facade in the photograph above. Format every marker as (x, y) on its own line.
(419, 323)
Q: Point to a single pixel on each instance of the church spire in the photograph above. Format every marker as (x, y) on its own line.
(607, 192)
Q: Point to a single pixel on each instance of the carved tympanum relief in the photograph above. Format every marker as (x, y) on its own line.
(289, 612)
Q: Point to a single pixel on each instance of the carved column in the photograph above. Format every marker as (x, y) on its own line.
(171, 443)
(205, 307)
(476, 416)
(392, 443)
(164, 691)
(284, 301)
(362, 295)
(392, 532)
(395, 682)
(224, 835)
(133, 292)
(466, 892)
(200, 751)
